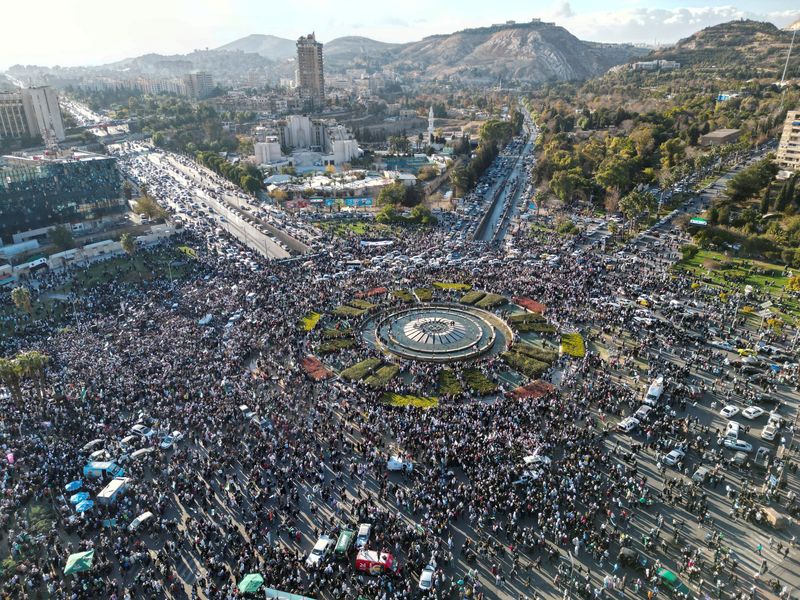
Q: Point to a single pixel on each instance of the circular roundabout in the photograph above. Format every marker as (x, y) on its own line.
(439, 333)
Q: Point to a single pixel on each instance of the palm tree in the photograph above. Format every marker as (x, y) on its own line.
(11, 376)
(32, 365)
(128, 243)
(21, 296)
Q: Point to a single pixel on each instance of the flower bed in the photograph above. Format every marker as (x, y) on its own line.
(529, 304)
(572, 344)
(530, 367)
(315, 369)
(335, 345)
(405, 400)
(424, 294)
(448, 384)
(479, 383)
(381, 377)
(533, 390)
(373, 292)
(490, 301)
(459, 287)
(309, 321)
(361, 370)
(472, 297)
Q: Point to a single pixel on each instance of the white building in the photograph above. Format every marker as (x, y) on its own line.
(39, 107)
(268, 151)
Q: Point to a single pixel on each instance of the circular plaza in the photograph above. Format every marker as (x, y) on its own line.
(439, 333)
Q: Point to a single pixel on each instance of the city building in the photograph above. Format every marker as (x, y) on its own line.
(310, 73)
(39, 192)
(655, 65)
(268, 151)
(30, 112)
(720, 137)
(307, 143)
(198, 84)
(788, 157)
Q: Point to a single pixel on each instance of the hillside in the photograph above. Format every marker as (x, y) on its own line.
(531, 52)
(268, 46)
(760, 48)
(345, 52)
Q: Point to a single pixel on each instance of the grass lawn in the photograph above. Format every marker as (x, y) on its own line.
(331, 346)
(357, 228)
(479, 383)
(361, 370)
(381, 377)
(424, 294)
(403, 295)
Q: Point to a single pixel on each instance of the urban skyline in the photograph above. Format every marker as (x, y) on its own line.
(180, 27)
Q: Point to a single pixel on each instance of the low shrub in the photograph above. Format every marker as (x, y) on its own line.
(479, 383)
(472, 297)
(424, 294)
(335, 345)
(403, 295)
(381, 377)
(448, 384)
(546, 356)
(361, 370)
(406, 400)
(534, 328)
(331, 333)
(362, 304)
(309, 321)
(490, 301)
(572, 344)
(459, 287)
(529, 367)
(349, 311)
(528, 317)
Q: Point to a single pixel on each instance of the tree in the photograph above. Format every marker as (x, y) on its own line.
(11, 377)
(765, 201)
(127, 190)
(148, 207)
(672, 152)
(250, 184)
(32, 365)
(62, 238)
(21, 297)
(422, 215)
(388, 214)
(636, 204)
(128, 243)
(394, 194)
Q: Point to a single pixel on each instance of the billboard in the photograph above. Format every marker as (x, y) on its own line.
(358, 202)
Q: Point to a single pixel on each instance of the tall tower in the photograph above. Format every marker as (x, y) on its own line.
(310, 74)
(431, 129)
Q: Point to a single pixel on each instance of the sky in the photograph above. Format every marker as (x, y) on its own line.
(92, 32)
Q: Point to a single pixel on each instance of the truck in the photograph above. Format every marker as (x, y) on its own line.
(376, 563)
(655, 391)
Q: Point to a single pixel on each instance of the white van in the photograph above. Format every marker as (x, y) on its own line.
(140, 520)
(642, 412)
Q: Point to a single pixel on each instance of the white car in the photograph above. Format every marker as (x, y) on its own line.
(729, 411)
(319, 551)
(362, 539)
(628, 424)
(738, 445)
(143, 431)
(395, 463)
(753, 412)
(674, 457)
(166, 442)
(769, 432)
(426, 578)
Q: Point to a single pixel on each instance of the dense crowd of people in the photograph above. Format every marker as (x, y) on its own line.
(235, 495)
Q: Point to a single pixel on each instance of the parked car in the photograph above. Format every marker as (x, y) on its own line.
(674, 457)
(143, 431)
(426, 577)
(738, 445)
(320, 550)
(364, 531)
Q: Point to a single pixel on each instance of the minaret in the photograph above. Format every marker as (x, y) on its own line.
(430, 125)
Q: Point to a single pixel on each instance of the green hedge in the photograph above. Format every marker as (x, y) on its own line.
(479, 383)
(349, 311)
(472, 297)
(546, 356)
(381, 377)
(362, 304)
(403, 295)
(448, 384)
(460, 287)
(361, 370)
(534, 328)
(335, 345)
(490, 301)
(528, 317)
(424, 294)
(527, 366)
(331, 333)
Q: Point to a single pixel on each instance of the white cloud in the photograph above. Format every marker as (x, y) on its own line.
(649, 25)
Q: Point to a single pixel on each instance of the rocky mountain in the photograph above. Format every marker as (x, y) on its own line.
(268, 46)
(752, 46)
(531, 52)
(348, 51)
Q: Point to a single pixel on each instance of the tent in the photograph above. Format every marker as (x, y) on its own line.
(251, 583)
(79, 497)
(74, 486)
(80, 561)
(84, 506)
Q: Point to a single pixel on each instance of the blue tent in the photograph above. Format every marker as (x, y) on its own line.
(84, 506)
(74, 486)
(79, 497)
